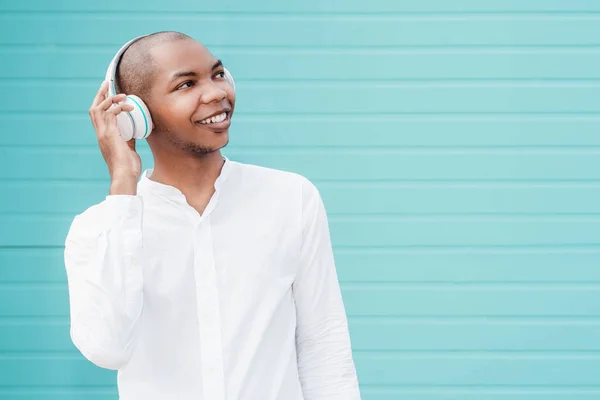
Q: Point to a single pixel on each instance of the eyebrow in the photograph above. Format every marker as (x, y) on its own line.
(182, 74)
(218, 64)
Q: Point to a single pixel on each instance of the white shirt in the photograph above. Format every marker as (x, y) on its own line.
(241, 303)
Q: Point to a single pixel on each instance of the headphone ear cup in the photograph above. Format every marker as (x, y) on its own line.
(125, 125)
(135, 124)
(229, 78)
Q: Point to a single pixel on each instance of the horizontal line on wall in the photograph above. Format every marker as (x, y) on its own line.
(340, 116)
(399, 216)
(471, 217)
(370, 389)
(451, 316)
(534, 320)
(371, 285)
(352, 284)
(364, 184)
(359, 150)
(515, 389)
(249, 49)
(382, 149)
(504, 216)
(392, 149)
(414, 250)
(449, 218)
(28, 247)
(524, 82)
(464, 250)
(303, 15)
(582, 247)
(413, 354)
(399, 389)
(412, 216)
(35, 321)
(461, 248)
(63, 355)
(349, 83)
(521, 320)
(466, 286)
(579, 114)
(394, 217)
(366, 147)
(481, 353)
(431, 388)
(368, 13)
(465, 181)
(371, 48)
(591, 114)
(83, 389)
(523, 183)
(457, 283)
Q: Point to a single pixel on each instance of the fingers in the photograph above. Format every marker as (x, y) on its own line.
(118, 108)
(108, 105)
(100, 94)
(104, 111)
(109, 101)
(101, 103)
(111, 116)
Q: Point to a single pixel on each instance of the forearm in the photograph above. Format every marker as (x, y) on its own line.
(325, 363)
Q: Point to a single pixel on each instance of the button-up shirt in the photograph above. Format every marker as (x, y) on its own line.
(239, 303)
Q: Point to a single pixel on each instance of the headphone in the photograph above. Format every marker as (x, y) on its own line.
(136, 124)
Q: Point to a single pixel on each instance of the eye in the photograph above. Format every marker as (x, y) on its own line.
(220, 74)
(183, 85)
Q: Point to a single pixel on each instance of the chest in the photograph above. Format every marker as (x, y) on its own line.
(245, 253)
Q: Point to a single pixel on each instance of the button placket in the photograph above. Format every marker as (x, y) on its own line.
(209, 317)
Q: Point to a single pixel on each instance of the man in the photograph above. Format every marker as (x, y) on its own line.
(206, 279)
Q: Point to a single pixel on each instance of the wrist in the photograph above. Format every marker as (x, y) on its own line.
(123, 186)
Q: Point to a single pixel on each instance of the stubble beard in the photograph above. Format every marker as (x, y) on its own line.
(187, 146)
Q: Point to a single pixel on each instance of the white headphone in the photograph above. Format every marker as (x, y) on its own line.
(136, 124)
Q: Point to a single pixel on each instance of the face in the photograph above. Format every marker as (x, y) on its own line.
(190, 100)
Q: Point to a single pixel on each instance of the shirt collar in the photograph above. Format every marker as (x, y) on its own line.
(148, 186)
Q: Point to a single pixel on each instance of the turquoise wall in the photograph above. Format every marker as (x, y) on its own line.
(456, 146)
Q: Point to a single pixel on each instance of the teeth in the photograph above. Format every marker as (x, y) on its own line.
(216, 118)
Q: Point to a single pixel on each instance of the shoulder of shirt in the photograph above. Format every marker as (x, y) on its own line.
(87, 222)
(277, 177)
(97, 215)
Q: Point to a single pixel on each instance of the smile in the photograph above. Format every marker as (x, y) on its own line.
(215, 119)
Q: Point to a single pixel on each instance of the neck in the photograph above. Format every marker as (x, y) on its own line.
(194, 175)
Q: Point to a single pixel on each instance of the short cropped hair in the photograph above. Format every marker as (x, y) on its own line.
(137, 69)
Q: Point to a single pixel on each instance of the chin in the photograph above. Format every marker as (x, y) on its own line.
(206, 147)
(220, 141)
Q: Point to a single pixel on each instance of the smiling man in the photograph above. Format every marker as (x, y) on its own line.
(206, 278)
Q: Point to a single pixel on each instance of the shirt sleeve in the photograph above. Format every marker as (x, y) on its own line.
(325, 363)
(102, 259)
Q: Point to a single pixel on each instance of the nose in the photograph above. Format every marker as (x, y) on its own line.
(212, 92)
